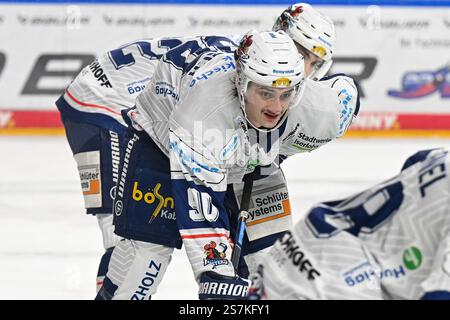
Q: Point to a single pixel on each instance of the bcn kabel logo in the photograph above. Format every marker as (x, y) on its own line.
(151, 197)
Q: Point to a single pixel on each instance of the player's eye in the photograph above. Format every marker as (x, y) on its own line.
(318, 64)
(266, 94)
(286, 95)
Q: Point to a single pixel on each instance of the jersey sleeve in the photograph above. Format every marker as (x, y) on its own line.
(199, 185)
(170, 83)
(347, 93)
(200, 173)
(323, 113)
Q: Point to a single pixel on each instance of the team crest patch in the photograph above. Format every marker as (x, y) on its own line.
(215, 257)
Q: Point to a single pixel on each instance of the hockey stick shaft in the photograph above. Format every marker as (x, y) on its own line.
(242, 217)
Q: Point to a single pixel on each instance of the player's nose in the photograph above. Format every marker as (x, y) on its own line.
(275, 106)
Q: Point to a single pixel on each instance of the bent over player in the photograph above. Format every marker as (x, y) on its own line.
(229, 114)
(391, 241)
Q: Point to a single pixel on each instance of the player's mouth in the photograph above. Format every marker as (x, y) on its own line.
(271, 117)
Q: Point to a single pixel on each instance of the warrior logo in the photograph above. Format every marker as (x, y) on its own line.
(213, 256)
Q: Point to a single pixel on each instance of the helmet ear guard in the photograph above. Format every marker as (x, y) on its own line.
(268, 59)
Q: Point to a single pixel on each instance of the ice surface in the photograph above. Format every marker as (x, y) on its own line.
(49, 249)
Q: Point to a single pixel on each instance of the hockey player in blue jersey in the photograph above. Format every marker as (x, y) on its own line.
(391, 241)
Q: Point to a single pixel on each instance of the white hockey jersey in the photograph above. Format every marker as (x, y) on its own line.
(391, 241)
(191, 110)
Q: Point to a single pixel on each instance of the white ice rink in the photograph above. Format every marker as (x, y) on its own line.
(49, 249)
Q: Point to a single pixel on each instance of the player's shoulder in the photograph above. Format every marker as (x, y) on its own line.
(209, 89)
(317, 106)
(314, 120)
(318, 97)
(422, 158)
(212, 67)
(215, 115)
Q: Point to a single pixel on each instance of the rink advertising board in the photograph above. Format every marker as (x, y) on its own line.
(398, 51)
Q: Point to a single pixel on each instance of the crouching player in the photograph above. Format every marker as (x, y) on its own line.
(391, 241)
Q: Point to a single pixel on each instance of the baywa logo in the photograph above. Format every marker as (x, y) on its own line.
(165, 204)
(424, 83)
(215, 257)
(412, 258)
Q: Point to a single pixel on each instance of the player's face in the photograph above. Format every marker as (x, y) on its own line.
(312, 62)
(265, 106)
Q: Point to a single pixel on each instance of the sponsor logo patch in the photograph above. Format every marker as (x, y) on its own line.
(424, 83)
(319, 51)
(166, 90)
(366, 273)
(90, 177)
(269, 206)
(137, 86)
(230, 148)
(412, 258)
(99, 74)
(296, 255)
(281, 82)
(210, 73)
(164, 205)
(306, 143)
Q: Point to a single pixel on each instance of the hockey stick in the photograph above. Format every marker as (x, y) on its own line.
(242, 217)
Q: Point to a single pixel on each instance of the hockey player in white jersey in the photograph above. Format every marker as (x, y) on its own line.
(313, 34)
(391, 241)
(227, 115)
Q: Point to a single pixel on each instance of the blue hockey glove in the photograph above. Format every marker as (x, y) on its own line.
(216, 286)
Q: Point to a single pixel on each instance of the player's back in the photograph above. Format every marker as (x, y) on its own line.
(388, 242)
(112, 82)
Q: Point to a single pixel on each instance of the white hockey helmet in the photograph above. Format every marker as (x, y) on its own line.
(268, 58)
(312, 30)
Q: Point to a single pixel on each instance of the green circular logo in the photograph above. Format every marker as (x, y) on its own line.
(412, 258)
